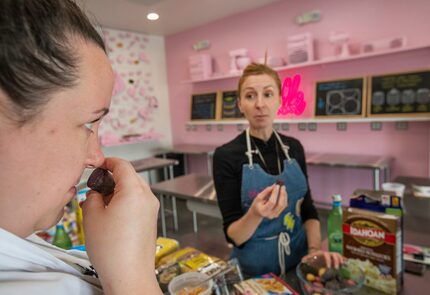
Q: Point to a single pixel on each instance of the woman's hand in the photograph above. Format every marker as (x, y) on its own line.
(267, 204)
(331, 258)
(120, 237)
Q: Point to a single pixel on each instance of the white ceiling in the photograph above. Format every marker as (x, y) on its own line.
(175, 15)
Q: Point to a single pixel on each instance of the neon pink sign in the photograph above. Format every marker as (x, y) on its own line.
(293, 99)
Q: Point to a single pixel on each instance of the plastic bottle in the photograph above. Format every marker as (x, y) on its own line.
(334, 226)
(61, 238)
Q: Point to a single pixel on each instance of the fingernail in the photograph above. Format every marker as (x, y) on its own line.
(80, 203)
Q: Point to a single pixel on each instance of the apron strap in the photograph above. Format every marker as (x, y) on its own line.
(283, 249)
(249, 151)
(285, 148)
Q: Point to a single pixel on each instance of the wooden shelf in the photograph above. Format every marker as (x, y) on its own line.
(310, 120)
(319, 62)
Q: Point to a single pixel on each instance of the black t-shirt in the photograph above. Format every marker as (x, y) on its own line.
(227, 173)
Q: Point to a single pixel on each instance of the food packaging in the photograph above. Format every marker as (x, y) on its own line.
(186, 260)
(267, 284)
(373, 241)
(164, 246)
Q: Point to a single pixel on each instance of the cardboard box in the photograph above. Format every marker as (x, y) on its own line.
(374, 241)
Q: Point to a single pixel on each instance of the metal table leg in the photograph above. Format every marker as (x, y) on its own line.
(175, 214)
(149, 177)
(376, 179)
(195, 222)
(386, 174)
(175, 211)
(209, 163)
(163, 216)
(185, 163)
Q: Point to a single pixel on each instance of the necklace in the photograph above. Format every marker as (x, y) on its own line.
(261, 156)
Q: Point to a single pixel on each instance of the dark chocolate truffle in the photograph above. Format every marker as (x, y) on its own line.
(101, 181)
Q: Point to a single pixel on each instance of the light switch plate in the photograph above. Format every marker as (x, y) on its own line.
(402, 125)
(341, 126)
(301, 126)
(312, 126)
(376, 126)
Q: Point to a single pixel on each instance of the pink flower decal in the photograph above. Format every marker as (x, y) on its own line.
(293, 99)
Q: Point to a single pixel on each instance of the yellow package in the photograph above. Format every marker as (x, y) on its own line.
(165, 246)
(179, 255)
(190, 259)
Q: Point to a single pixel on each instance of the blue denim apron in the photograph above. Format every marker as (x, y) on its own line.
(278, 244)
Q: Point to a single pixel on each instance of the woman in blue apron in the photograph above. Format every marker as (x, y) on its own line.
(261, 184)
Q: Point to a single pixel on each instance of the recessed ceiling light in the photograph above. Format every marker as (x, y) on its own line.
(152, 16)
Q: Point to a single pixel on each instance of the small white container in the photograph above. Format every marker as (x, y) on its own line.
(398, 188)
(189, 279)
(421, 190)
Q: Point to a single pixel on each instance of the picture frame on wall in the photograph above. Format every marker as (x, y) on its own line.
(341, 98)
(404, 94)
(205, 106)
(229, 108)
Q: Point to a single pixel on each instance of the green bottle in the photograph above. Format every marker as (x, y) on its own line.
(61, 238)
(334, 226)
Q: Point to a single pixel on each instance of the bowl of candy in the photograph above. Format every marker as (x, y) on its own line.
(316, 278)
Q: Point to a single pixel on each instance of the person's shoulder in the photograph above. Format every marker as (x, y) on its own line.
(290, 141)
(237, 144)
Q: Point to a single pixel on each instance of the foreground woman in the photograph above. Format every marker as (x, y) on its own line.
(55, 87)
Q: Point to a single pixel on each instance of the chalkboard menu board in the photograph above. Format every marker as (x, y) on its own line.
(229, 108)
(204, 106)
(400, 94)
(340, 98)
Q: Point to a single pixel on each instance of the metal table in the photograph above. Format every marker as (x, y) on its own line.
(197, 190)
(191, 149)
(148, 164)
(377, 164)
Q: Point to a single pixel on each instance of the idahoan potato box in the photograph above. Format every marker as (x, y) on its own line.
(374, 241)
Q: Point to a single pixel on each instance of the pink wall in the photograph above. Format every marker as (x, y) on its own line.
(268, 27)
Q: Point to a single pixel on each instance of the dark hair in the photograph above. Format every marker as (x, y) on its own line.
(255, 69)
(37, 51)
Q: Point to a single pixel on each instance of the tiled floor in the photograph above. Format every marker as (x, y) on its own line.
(210, 237)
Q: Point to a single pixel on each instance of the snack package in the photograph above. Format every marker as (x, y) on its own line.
(384, 202)
(186, 260)
(374, 243)
(379, 201)
(268, 284)
(164, 246)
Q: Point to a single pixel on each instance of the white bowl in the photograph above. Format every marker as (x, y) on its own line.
(190, 279)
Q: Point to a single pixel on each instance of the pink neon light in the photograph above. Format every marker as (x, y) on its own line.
(293, 99)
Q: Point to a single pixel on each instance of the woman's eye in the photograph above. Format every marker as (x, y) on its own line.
(268, 94)
(249, 96)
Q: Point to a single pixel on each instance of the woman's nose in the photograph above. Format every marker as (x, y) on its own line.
(259, 103)
(95, 156)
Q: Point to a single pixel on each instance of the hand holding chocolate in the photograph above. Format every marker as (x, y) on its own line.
(101, 181)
